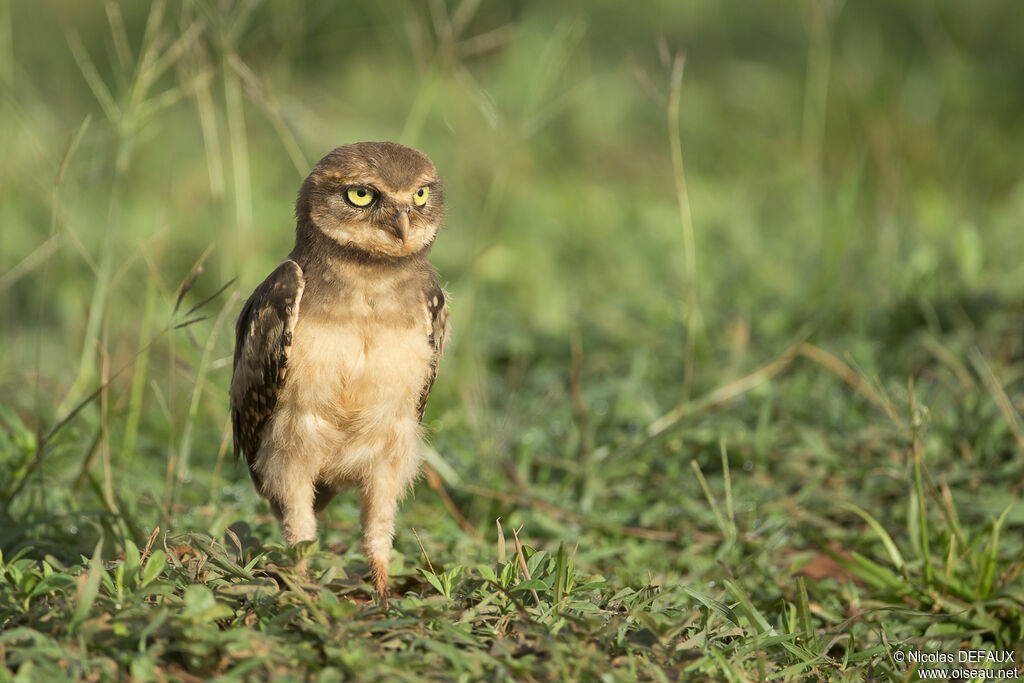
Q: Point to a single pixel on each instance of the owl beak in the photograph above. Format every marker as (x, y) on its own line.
(399, 225)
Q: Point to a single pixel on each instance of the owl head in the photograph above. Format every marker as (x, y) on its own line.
(377, 200)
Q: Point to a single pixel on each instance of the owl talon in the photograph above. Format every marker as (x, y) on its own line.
(380, 584)
(385, 598)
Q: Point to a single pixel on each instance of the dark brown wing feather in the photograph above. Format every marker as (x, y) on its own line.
(437, 309)
(263, 338)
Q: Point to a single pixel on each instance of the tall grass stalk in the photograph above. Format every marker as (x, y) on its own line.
(185, 450)
(917, 425)
(692, 317)
(241, 181)
(823, 15)
(138, 385)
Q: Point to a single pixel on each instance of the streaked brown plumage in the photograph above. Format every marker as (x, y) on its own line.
(337, 350)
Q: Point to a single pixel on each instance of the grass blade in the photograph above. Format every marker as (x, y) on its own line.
(88, 588)
(716, 606)
(890, 545)
(753, 615)
(988, 571)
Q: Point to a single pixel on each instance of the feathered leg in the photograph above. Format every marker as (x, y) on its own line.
(379, 503)
(293, 507)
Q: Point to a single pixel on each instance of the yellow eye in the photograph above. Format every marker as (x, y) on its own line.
(420, 198)
(360, 196)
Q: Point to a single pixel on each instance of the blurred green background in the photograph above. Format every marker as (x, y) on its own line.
(850, 174)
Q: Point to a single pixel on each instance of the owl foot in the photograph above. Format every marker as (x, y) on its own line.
(379, 574)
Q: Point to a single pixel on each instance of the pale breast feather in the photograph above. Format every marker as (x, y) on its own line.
(263, 340)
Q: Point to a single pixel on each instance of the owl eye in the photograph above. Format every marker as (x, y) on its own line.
(421, 195)
(360, 196)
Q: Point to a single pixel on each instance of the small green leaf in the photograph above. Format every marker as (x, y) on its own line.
(532, 584)
(154, 566)
(132, 562)
(536, 560)
(561, 572)
(433, 581)
(593, 583)
(509, 572)
(119, 583)
(202, 606)
(584, 606)
(307, 549)
(714, 605)
(88, 588)
(487, 572)
(143, 668)
(52, 584)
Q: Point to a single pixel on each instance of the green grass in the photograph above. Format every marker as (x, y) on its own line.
(735, 385)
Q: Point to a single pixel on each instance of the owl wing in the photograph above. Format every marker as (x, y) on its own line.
(437, 310)
(263, 339)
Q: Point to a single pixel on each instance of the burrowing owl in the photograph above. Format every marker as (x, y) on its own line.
(337, 350)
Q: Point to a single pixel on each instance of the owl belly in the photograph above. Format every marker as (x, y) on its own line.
(356, 387)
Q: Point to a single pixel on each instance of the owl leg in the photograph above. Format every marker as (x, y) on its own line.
(286, 480)
(379, 503)
(294, 509)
